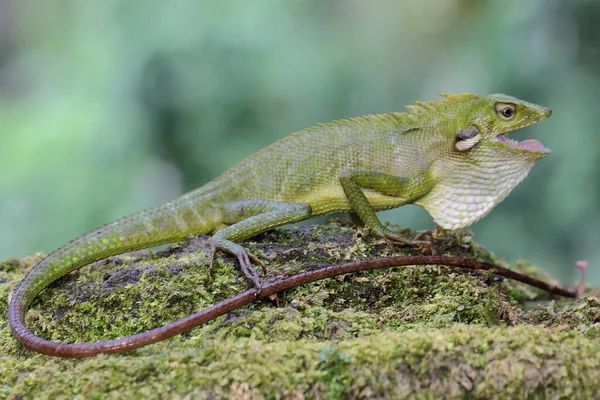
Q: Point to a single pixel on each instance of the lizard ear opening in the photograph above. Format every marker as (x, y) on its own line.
(467, 138)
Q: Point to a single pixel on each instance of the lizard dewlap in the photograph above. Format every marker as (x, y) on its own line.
(452, 157)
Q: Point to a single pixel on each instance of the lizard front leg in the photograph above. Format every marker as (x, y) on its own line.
(248, 218)
(405, 190)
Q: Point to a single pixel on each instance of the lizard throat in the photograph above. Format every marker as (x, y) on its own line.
(466, 191)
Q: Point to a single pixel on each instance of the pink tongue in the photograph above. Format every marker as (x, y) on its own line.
(532, 144)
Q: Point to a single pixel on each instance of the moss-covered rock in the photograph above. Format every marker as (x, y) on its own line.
(396, 333)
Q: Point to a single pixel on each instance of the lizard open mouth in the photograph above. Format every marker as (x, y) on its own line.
(527, 145)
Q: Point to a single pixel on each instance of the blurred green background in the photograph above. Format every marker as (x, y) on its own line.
(112, 106)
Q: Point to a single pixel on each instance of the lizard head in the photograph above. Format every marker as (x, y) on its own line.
(486, 121)
(478, 164)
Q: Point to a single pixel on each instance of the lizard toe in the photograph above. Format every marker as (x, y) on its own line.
(248, 270)
(396, 240)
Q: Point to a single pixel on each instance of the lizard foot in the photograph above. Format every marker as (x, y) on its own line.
(243, 256)
(396, 240)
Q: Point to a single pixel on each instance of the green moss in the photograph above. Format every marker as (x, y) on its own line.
(336, 375)
(401, 332)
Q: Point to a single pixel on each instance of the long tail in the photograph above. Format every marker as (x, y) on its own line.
(166, 223)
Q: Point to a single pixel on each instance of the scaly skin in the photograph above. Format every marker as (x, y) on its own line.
(448, 156)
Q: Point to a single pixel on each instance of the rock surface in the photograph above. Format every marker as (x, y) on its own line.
(396, 333)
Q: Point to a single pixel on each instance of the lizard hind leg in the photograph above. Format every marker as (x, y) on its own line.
(248, 218)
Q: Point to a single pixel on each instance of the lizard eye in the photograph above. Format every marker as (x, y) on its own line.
(506, 112)
(467, 138)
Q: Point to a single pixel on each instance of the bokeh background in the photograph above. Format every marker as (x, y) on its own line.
(112, 106)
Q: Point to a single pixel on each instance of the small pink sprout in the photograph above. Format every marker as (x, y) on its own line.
(582, 266)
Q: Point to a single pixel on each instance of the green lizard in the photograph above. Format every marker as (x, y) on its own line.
(450, 156)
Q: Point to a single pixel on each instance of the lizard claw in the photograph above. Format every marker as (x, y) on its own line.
(249, 272)
(243, 256)
(422, 245)
(258, 261)
(397, 240)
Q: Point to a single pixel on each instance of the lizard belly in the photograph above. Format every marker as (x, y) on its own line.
(329, 199)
